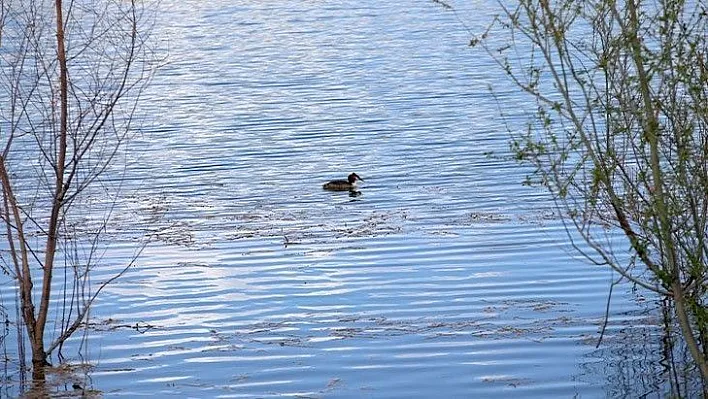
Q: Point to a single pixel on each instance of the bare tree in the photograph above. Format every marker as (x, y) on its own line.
(70, 77)
(620, 135)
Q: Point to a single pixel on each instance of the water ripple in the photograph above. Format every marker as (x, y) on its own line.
(444, 277)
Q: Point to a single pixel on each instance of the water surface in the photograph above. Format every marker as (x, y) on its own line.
(445, 277)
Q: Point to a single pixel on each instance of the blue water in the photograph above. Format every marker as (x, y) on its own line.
(445, 278)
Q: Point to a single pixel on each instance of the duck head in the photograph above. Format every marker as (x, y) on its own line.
(353, 178)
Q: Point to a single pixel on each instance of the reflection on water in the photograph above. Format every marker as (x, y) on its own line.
(442, 276)
(644, 354)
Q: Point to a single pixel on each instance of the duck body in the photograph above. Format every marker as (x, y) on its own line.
(343, 185)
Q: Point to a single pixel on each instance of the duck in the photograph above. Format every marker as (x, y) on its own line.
(343, 185)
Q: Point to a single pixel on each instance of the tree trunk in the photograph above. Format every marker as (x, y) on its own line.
(38, 353)
(651, 130)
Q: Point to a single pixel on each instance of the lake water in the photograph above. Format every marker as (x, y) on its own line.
(445, 277)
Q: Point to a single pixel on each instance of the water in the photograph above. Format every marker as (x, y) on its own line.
(444, 278)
